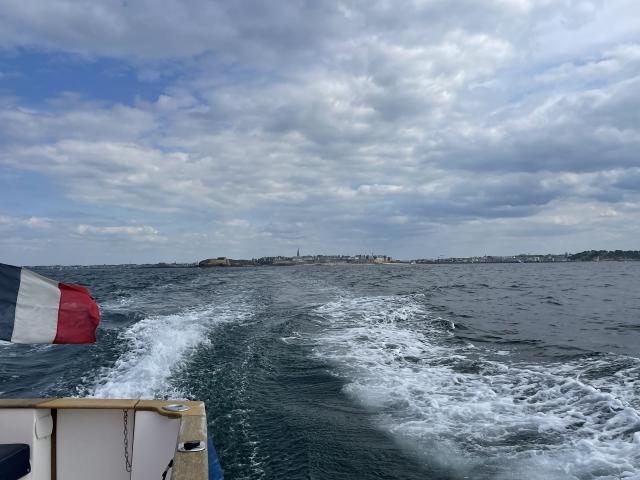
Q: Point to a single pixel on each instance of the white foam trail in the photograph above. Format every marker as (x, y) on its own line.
(157, 346)
(480, 417)
(118, 304)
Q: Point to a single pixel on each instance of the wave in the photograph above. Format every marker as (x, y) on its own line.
(118, 304)
(475, 411)
(157, 346)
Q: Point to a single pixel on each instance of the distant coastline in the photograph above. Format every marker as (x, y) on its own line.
(281, 261)
(586, 256)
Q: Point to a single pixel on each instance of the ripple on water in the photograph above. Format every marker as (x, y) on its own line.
(475, 411)
(155, 347)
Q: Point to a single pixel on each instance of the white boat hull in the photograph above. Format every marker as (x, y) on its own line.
(77, 439)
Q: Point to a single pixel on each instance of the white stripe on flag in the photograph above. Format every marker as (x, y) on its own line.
(37, 307)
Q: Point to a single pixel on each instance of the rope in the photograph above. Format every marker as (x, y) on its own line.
(166, 470)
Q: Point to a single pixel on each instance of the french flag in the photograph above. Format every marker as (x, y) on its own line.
(35, 309)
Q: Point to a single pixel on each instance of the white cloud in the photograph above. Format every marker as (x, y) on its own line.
(143, 233)
(338, 124)
(237, 222)
(29, 222)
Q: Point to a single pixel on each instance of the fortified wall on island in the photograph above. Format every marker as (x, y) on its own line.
(297, 260)
(586, 256)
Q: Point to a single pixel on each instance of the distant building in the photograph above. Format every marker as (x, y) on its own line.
(381, 259)
(215, 262)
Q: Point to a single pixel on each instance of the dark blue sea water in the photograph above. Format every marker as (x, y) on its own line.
(517, 371)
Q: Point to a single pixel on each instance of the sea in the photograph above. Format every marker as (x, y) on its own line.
(481, 371)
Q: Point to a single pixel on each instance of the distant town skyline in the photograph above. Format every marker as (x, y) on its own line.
(380, 259)
(164, 131)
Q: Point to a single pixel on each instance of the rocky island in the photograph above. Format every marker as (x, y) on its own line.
(586, 256)
(298, 260)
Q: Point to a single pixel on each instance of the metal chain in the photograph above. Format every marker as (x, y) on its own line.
(127, 462)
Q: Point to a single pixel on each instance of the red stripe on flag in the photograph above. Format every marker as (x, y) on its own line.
(78, 316)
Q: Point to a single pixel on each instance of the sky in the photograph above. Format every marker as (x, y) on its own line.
(145, 131)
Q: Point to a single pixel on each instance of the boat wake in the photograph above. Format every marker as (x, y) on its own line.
(156, 348)
(474, 411)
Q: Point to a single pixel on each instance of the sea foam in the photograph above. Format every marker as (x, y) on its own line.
(155, 349)
(474, 411)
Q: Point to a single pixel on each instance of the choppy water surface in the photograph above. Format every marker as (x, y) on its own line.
(343, 372)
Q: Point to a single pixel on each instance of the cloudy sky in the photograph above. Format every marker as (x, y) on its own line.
(141, 130)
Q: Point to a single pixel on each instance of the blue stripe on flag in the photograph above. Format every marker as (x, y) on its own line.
(9, 286)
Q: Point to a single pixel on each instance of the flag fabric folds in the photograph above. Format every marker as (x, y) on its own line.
(35, 309)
